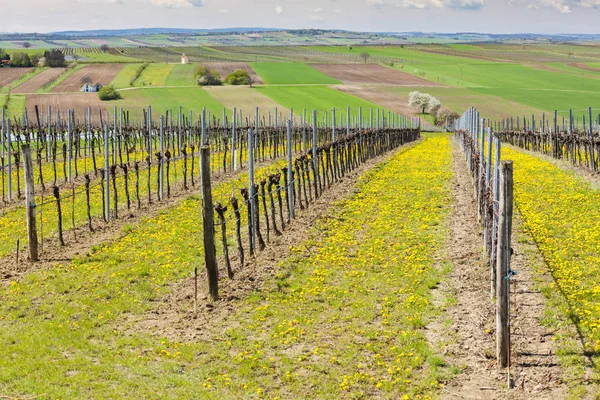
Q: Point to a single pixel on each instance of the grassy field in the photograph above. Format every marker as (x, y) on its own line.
(316, 98)
(182, 75)
(308, 334)
(155, 75)
(123, 78)
(290, 73)
(162, 99)
(96, 57)
(246, 99)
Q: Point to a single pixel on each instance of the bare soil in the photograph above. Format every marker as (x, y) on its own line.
(173, 316)
(371, 74)
(39, 81)
(225, 68)
(374, 94)
(535, 371)
(584, 66)
(7, 75)
(100, 73)
(79, 102)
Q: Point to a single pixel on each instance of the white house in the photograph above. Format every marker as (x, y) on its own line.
(89, 88)
(184, 59)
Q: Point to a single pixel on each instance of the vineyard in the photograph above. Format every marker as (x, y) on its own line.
(312, 235)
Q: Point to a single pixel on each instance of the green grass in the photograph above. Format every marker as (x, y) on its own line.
(123, 78)
(182, 75)
(154, 75)
(291, 73)
(328, 325)
(319, 98)
(95, 57)
(15, 105)
(162, 99)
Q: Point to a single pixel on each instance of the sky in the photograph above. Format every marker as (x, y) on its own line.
(487, 16)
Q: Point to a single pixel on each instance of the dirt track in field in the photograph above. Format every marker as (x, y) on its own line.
(39, 81)
(101, 73)
(7, 75)
(371, 74)
(79, 102)
(374, 94)
(225, 68)
(584, 67)
(470, 340)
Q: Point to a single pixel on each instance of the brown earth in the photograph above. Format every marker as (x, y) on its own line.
(79, 102)
(39, 81)
(384, 99)
(7, 75)
(470, 341)
(371, 74)
(584, 67)
(100, 73)
(225, 68)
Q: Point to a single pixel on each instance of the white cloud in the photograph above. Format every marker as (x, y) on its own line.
(223, 11)
(337, 10)
(315, 10)
(425, 4)
(157, 3)
(562, 6)
(279, 9)
(316, 18)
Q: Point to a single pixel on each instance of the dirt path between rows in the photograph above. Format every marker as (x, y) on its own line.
(470, 342)
(174, 318)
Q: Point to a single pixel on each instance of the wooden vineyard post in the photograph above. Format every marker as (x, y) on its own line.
(290, 173)
(252, 232)
(210, 256)
(233, 140)
(315, 160)
(503, 264)
(106, 176)
(32, 238)
(8, 153)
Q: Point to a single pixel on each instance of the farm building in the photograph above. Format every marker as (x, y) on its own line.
(89, 88)
(184, 59)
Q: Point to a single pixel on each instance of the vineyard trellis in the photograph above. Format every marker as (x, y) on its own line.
(91, 171)
(562, 137)
(492, 191)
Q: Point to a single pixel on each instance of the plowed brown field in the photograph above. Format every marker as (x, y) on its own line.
(7, 75)
(79, 102)
(225, 68)
(371, 74)
(39, 81)
(101, 73)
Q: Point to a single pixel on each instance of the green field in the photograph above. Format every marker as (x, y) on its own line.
(290, 73)
(182, 75)
(123, 78)
(319, 98)
(154, 75)
(162, 99)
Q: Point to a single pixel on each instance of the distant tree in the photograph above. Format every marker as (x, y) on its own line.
(21, 60)
(35, 60)
(422, 101)
(108, 93)
(238, 77)
(104, 48)
(365, 56)
(434, 106)
(54, 58)
(349, 47)
(207, 77)
(26, 45)
(4, 56)
(76, 56)
(444, 115)
(250, 80)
